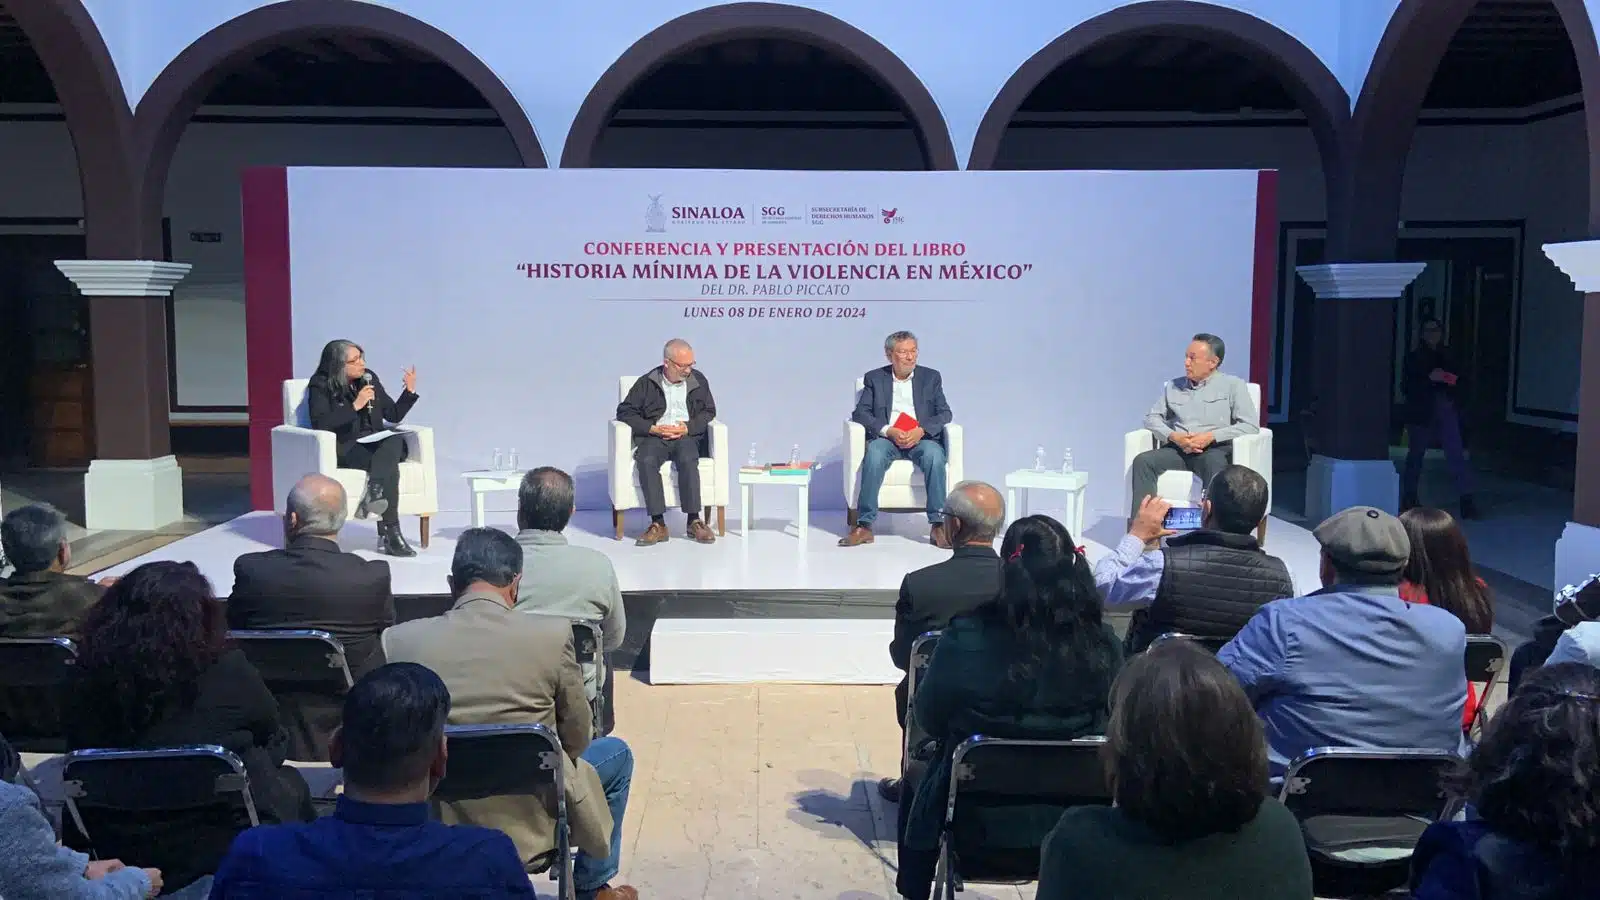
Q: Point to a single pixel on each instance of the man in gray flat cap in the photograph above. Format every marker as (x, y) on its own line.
(1353, 665)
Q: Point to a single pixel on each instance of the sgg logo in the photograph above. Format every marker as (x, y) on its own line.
(772, 211)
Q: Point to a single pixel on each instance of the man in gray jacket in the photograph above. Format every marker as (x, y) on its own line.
(559, 579)
(1194, 421)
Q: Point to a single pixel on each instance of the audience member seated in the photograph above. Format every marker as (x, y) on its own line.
(1579, 644)
(311, 583)
(559, 579)
(40, 599)
(155, 671)
(1571, 635)
(932, 596)
(1531, 786)
(381, 841)
(1440, 573)
(1187, 762)
(34, 867)
(1353, 665)
(1208, 582)
(504, 668)
(1036, 662)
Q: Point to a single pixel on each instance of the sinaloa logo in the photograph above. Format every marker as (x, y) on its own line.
(655, 216)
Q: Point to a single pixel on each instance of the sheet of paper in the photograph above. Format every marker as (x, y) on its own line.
(376, 436)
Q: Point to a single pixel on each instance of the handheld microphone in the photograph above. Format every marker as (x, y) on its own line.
(366, 381)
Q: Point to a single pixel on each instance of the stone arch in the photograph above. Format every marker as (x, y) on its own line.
(166, 108)
(735, 21)
(1314, 87)
(70, 46)
(1385, 119)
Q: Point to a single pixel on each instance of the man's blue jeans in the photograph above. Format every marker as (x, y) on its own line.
(613, 761)
(928, 455)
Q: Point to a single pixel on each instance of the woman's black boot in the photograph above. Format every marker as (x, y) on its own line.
(391, 542)
(372, 502)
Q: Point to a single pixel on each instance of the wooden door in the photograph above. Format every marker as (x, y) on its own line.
(46, 402)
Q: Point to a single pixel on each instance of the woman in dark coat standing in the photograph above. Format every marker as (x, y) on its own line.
(346, 398)
(1431, 377)
(1037, 662)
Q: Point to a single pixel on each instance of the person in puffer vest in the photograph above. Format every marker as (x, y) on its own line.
(1206, 583)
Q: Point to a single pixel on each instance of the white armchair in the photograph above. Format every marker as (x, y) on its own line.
(1181, 488)
(623, 482)
(903, 489)
(298, 450)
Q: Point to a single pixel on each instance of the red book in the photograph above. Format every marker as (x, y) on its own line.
(904, 423)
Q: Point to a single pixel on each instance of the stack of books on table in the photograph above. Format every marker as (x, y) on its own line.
(792, 470)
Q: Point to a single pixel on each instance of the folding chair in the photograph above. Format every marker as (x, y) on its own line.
(1028, 784)
(35, 676)
(168, 808)
(504, 760)
(307, 672)
(914, 741)
(1362, 811)
(1210, 643)
(1486, 662)
(588, 638)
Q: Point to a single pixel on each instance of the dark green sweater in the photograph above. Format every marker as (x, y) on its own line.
(1098, 852)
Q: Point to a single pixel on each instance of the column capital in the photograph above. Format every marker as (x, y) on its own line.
(1360, 281)
(123, 277)
(1580, 260)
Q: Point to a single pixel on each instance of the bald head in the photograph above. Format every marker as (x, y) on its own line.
(316, 507)
(979, 512)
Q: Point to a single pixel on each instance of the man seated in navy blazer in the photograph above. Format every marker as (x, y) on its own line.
(901, 389)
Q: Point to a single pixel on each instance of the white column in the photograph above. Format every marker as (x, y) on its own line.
(122, 491)
(1578, 549)
(1334, 484)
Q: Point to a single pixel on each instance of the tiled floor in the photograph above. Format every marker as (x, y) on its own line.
(761, 791)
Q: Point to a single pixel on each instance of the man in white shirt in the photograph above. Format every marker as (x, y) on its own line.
(903, 409)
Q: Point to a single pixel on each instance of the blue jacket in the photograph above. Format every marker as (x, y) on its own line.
(1470, 861)
(34, 867)
(1352, 666)
(367, 850)
(927, 394)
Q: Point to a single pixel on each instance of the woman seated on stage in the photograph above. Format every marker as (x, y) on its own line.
(1186, 759)
(346, 398)
(155, 670)
(1036, 662)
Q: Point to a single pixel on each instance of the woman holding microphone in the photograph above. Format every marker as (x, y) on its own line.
(346, 398)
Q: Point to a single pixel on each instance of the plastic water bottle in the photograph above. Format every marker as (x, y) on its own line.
(794, 455)
(1066, 461)
(752, 461)
(499, 461)
(1038, 459)
(511, 461)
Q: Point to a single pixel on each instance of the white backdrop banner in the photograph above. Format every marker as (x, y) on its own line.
(1054, 303)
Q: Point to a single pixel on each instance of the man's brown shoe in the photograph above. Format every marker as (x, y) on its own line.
(938, 537)
(622, 892)
(655, 534)
(858, 535)
(701, 533)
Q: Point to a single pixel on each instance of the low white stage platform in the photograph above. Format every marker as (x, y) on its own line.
(765, 643)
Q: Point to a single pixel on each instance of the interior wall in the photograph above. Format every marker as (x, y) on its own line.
(1459, 172)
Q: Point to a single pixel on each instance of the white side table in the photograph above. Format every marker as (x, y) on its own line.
(747, 480)
(486, 482)
(1024, 480)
